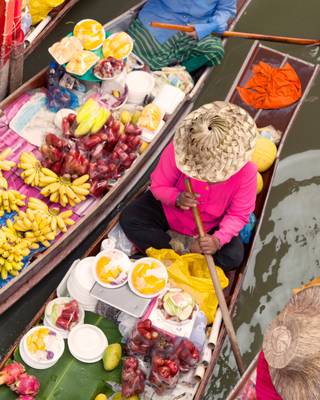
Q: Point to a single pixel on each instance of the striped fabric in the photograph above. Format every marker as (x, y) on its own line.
(178, 49)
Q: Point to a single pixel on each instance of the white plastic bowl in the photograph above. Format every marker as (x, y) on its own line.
(62, 300)
(87, 343)
(118, 258)
(30, 360)
(140, 84)
(163, 273)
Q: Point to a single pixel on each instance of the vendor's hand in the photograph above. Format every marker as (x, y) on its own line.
(187, 200)
(209, 244)
(195, 246)
(193, 35)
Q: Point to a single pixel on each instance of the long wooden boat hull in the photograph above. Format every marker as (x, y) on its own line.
(48, 260)
(281, 119)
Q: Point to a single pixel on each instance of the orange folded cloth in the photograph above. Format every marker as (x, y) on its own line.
(271, 88)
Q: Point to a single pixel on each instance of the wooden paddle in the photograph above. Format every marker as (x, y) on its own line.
(243, 35)
(217, 287)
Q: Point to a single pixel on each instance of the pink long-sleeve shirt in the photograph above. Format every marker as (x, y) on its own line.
(226, 205)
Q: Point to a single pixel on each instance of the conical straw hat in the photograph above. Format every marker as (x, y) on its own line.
(215, 141)
(292, 347)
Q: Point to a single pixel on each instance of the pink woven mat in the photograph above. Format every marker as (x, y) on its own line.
(8, 138)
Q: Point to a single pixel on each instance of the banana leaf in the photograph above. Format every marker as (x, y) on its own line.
(71, 379)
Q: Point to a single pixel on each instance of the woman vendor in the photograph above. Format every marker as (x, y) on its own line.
(161, 48)
(289, 365)
(213, 147)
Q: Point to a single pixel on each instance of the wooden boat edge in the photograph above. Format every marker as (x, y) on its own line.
(244, 379)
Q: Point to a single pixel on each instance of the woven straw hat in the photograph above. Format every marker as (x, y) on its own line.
(215, 141)
(292, 347)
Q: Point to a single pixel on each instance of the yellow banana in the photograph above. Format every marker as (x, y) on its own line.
(80, 190)
(80, 181)
(53, 187)
(48, 172)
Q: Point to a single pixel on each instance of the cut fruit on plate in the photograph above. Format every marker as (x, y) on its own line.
(148, 277)
(66, 49)
(91, 33)
(63, 314)
(82, 62)
(111, 268)
(177, 306)
(119, 45)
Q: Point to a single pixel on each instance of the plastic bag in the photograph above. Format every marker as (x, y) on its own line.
(247, 230)
(133, 378)
(164, 374)
(142, 339)
(190, 273)
(176, 76)
(188, 355)
(39, 9)
(121, 241)
(150, 117)
(126, 324)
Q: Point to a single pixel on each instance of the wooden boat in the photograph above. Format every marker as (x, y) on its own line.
(99, 210)
(246, 387)
(57, 14)
(281, 120)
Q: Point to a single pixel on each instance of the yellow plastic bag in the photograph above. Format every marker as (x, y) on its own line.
(39, 9)
(190, 273)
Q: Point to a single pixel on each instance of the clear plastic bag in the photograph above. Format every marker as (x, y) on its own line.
(188, 355)
(133, 378)
(126, 324)
(142, 339)
(164, 373)
(120, 239)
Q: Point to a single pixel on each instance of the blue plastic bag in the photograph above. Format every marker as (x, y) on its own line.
(246, 233)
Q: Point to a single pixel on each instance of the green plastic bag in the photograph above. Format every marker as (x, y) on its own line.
(39, 9)
(190, 272)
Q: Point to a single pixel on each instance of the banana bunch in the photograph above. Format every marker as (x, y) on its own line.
(3, 182)
(13, 248)
(31, 169)
(6, 165)
(64, 191)
(58, 220)
(36, 227)
(16, 236)
(10, 200)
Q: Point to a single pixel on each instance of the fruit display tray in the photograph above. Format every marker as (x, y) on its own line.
(8, 138)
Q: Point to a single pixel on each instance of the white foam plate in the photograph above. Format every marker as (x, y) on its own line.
(87, 343)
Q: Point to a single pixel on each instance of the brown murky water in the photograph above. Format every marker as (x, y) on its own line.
(287, 253)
